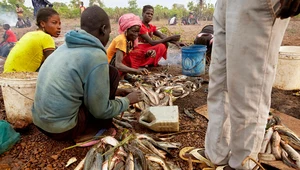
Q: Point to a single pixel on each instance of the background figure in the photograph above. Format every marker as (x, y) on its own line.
(27, 22)
(19, 11)
(82, 8)
(38, 4)
(247, 37)
(191, 20)
(173, 20)
(20, 23)
(205, 37)
(9, 40)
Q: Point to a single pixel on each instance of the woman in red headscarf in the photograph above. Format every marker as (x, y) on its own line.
(122, 52)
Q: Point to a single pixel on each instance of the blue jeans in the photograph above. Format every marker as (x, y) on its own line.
(5, 49)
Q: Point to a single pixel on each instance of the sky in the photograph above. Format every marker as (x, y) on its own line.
(124, 3)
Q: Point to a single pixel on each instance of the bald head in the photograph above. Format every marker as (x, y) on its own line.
(93, 18)
(95, 21)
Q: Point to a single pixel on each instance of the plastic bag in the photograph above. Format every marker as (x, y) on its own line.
(8, 136)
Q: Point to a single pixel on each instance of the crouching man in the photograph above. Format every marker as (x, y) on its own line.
(76, 87)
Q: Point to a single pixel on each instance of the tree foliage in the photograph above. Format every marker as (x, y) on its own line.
(133, 7)
(71, 10)
(96, 2)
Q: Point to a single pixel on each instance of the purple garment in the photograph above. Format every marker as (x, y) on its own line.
(38, 4)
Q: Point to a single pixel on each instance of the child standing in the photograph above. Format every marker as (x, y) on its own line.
(82, 8)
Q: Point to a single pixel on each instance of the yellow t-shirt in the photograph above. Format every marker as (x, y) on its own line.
(27, 55)
(117, 43)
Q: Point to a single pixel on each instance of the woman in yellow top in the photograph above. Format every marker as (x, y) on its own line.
(122, 53)
(34, 47)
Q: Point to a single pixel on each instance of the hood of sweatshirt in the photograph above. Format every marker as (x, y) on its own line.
(80, 38)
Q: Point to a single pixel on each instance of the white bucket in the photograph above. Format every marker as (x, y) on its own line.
(18, 91)
(288, 70)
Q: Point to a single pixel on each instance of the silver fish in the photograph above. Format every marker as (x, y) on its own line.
(286, 160)
(98, 162)
(138, 156)
(152, 148)
(124, 124)
(291, 152)
(129, 165)
(89, 159)
(288, 135)
(159, 160)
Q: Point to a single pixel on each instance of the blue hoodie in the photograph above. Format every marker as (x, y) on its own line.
(77, 71)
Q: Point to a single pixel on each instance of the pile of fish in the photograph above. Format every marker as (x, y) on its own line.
(280, 143)
(134, 152)
(162, 89)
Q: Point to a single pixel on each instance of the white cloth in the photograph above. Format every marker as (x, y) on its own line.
(247, 37)
(172, 21)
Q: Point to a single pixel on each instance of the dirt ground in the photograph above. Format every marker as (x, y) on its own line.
(37, 151)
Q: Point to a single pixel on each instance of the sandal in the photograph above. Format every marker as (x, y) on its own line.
(184, 154)
(192, 153)
(196, 154)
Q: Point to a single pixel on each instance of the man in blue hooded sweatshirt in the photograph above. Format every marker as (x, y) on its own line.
(76, 87)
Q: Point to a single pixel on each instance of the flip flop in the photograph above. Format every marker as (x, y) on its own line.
(185, 152)
(195, 156)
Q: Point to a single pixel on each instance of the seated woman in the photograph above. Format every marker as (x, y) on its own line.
(122, 52)
(148, 30)
(34, 47)
(9, 40)
(205, 37)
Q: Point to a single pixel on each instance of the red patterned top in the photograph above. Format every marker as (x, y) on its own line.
(146, 30)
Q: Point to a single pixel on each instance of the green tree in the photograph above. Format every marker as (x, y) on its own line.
(10, 6)
(97, 2)
(75, 3)
(118, 12)
(59, 4)
(179, 10)
(207, 11)
(133, 7)
(191, 6)
(68, 11)
(161, 12)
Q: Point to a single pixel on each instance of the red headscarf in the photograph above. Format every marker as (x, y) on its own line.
(128, 20)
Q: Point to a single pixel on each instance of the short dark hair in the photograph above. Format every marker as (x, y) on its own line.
(93, 18)
(146, 7)
(44, 14)
(203, 40)
(6, 26)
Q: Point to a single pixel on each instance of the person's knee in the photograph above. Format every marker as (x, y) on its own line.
(162, 45)
(113, 71)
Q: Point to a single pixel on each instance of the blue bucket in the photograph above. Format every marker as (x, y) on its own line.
(193, 60)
